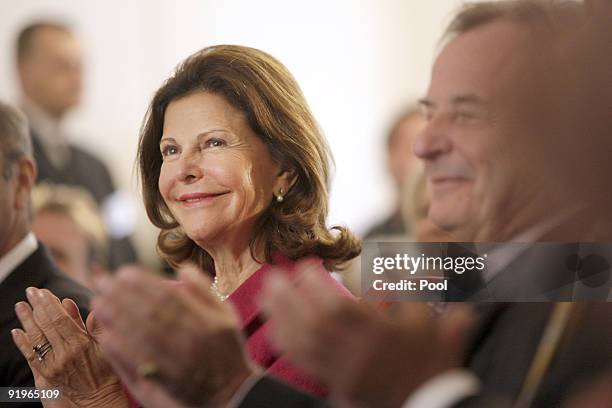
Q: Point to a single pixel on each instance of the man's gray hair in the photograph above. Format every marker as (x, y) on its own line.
(534, 13)
(15, 140)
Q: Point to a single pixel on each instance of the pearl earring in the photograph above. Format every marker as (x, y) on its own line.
(279, 197)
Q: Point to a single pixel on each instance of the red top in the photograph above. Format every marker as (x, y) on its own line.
(255, 326)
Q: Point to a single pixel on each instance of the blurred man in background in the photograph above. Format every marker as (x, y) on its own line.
(401, 160)
(49, 65)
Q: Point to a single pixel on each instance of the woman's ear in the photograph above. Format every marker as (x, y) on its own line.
(284, 181)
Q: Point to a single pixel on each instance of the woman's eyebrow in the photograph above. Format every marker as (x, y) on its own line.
(229, 134)
(199, 136)
(167, 139)
(207, 132)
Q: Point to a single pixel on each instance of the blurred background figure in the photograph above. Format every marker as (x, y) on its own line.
(67, 220)
(414, 197)
(49, 66)
(415, 206)
(401, 161)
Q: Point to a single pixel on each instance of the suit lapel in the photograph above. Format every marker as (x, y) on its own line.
(33, 271)
(488, 313)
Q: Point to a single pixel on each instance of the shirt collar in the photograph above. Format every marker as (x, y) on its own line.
(17, 255)
(500, 256)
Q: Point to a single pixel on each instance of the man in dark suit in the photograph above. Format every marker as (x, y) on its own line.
(50, 73)
(506, 128)
(23, 261)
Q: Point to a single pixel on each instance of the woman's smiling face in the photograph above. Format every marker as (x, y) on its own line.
(217, 176)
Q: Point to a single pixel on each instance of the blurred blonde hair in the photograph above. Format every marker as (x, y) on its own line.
(415, 208)
(77, 204)
(415, 204)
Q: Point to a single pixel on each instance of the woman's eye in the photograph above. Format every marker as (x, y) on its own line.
(169, 150)
(215, 142)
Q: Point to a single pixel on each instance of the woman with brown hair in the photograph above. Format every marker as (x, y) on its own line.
(235, 173)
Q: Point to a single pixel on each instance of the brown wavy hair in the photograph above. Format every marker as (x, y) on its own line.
(260, 87)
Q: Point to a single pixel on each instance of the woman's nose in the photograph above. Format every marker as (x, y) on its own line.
(189, 169)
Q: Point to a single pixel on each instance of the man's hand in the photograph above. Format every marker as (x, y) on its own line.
(178, 337)
(366, 357)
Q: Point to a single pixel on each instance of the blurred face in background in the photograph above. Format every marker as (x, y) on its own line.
(477, 146)
(416, 199)
(51, 71)
(68, 244)
(401, 150)
(217, 176)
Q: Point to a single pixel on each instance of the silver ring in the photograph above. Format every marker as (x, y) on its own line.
(42, 349)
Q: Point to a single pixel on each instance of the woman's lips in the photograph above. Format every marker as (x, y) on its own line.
(197, 199)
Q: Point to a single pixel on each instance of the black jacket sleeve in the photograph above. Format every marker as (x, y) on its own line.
(270, 393)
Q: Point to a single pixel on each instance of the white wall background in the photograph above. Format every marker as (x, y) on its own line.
(358, 62)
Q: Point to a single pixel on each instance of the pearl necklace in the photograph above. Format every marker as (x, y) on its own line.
(214, 288)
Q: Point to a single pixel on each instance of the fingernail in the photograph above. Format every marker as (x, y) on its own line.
(31, 293)
(14, 333)
(41, 294)
(19, 308)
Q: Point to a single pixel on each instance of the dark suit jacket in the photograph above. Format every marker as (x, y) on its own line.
(509, 334)
(271, 393)
(502, 349)
(543, 272)
(39, 271)
(88, 172)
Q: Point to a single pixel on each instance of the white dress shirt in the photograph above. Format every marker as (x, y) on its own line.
(444, 390)
(501, 255)
(17, 255)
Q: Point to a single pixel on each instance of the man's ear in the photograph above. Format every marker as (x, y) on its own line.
(25, 179)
